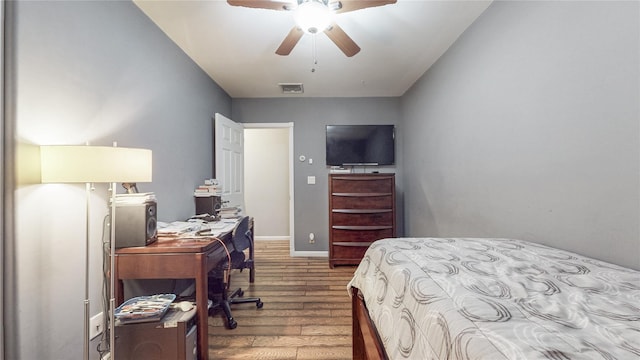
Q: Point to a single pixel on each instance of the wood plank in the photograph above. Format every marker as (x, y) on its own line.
(302, 341)
(326, 352)
(282, 321)
(306, 313)
(326, 330)
(267, 353)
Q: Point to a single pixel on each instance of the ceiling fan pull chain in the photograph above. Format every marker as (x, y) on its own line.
(314, 53)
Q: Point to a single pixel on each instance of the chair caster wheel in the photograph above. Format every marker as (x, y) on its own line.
(232, 324)
(241, 293)
(259, 304)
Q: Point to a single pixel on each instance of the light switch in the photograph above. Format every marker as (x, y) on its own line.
(311, 180)
(310, 161)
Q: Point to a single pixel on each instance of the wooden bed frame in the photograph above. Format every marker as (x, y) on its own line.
(366, 341)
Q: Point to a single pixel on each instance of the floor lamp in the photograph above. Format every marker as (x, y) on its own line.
(95, 164)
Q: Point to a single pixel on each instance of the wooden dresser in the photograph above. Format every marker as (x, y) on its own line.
(362, 209)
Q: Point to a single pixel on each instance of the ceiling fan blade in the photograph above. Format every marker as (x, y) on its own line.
(263, 4)
(342, 40)
(351, 5)
(290, 41)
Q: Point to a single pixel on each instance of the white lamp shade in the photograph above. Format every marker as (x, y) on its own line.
(96, 164)
(313, 17)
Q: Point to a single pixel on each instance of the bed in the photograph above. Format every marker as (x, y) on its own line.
(478, 298)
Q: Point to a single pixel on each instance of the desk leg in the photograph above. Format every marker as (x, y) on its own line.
(202, 307)
(119, 285)
(252, 270)
(119, 292)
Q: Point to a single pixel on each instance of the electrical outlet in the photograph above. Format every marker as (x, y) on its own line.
(96, 324)
(312, 238)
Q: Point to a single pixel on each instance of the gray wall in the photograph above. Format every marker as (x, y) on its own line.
(528, 127)
(310, 116)
(96, 71)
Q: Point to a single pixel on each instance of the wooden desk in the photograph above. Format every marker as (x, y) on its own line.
(173, 259)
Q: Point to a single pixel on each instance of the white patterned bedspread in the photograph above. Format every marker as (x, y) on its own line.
(455, 298)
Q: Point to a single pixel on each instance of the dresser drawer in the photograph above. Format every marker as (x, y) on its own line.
(354, 253)
(362, 202)
(361, 185)
(360, 233)
(362, 217)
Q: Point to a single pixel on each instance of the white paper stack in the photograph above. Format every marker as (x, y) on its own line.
(134, 199)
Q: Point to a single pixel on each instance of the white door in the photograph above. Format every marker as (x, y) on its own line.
(229, 149)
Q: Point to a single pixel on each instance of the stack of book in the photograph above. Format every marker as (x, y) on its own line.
(211, 187)
(230, 212)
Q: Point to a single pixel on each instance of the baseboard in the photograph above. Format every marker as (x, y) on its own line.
(294, 253)
(272, 238)
(310, 254)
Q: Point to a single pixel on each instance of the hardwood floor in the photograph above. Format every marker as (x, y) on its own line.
(306, 313)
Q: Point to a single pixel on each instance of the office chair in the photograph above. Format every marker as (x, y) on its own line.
(241, 239)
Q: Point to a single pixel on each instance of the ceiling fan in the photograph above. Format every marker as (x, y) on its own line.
(314, 16)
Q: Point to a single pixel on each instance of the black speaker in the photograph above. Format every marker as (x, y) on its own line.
(208, 205)
(136, 224)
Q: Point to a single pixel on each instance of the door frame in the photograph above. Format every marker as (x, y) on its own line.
(9, 333)
(288, 125)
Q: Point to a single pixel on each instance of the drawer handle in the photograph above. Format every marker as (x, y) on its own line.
(343, 227)
(361, 194)
(360, 178)
(353, 244)
(361, 211)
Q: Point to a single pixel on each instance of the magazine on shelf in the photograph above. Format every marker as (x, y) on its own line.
(144, 308)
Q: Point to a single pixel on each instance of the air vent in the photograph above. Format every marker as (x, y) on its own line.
(292, 88)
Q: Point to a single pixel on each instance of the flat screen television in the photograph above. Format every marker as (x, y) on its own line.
(360, 145)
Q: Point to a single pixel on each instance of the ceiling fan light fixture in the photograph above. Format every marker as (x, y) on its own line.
(313, 16)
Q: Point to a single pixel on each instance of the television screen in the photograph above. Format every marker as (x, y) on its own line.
(360, 145)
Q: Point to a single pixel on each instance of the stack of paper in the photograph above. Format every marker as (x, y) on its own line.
(211, 187)
(230, 212)
(177, 228)
(134, 199)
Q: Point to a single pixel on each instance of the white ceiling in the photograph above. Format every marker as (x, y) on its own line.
(236, 46)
